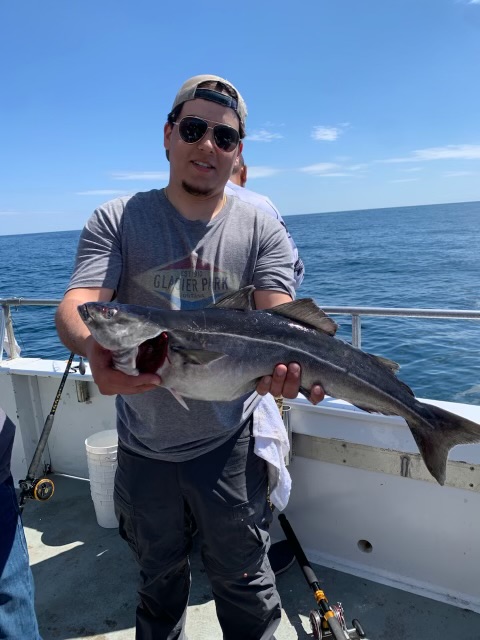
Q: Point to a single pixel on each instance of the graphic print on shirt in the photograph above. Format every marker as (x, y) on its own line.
(188, 282)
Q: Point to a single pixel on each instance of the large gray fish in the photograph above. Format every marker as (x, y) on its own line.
(220, 352)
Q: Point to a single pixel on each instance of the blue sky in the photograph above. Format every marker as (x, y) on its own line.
(353, 104)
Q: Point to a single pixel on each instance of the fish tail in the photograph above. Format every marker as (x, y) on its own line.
(436, 431)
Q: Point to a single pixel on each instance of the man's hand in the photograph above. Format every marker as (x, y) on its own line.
(109, 380)
(285, 382)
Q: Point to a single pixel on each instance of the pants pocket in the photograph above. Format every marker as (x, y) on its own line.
(125, 515)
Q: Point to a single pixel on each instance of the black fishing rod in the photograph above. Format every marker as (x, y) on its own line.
(32, 487)
(327, 621)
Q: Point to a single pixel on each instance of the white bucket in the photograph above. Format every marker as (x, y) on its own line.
(102, 463)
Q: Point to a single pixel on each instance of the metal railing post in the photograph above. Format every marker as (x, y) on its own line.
(356, 331)
(12, 345)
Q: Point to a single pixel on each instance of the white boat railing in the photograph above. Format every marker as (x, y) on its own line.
(356, 314)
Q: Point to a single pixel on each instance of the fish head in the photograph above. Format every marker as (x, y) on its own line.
(118, 327)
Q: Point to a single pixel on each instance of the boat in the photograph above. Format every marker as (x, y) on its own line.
(398, 551)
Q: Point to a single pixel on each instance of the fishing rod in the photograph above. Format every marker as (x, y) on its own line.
(326, 622)
(32, 487)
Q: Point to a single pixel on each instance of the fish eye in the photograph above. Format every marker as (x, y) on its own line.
(108, 312)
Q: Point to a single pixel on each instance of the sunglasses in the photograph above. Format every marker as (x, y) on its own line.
(192, 129)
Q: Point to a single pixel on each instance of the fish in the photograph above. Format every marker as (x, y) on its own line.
(220, 352)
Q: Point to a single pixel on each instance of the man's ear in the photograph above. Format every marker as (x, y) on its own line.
(243, 175)
(167, 132)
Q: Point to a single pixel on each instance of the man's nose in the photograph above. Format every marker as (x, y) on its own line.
(207, 141)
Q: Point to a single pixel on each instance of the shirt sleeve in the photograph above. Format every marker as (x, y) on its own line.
(274, 266)
(99, 254)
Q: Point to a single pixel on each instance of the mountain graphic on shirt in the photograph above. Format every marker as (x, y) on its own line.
(188, 282)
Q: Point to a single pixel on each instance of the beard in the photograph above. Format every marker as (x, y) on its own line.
(196, 191)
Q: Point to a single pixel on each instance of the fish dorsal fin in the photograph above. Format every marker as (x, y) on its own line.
(394, 367)
(308, 312)
(241, 299)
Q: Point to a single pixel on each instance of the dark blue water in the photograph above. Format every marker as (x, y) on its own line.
(424, 257)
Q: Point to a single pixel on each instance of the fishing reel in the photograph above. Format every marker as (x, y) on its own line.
(321, 630)
(41, 489)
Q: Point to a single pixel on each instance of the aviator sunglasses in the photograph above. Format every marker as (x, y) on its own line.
(192, 129)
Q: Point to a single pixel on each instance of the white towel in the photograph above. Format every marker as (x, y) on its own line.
(271, 444)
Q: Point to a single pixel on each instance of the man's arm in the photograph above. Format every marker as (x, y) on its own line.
(285, 380)
(72, 331)
(75, 336)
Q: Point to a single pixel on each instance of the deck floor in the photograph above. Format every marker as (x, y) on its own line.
(86, 580)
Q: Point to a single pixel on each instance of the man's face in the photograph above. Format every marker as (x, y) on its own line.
(201, 168)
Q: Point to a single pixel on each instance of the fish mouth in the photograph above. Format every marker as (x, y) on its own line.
(91, 311)
(152, 353)
(83, 311)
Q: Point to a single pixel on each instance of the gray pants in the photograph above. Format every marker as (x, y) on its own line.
(226, 490)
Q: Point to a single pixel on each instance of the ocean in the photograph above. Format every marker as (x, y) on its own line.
(423, 256)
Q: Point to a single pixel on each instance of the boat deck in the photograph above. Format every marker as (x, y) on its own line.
(86, 579)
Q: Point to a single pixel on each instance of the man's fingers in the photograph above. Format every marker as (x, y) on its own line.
(278, 380)
(285, 381)
(291, 383)
(317, 394)
(263, 386)
(111, 382)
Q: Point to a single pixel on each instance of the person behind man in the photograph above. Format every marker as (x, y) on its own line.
(236, 187)
(166, 248)
(17, 613)
(239, 173)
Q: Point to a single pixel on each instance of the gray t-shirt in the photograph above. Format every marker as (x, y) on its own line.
(141, 247)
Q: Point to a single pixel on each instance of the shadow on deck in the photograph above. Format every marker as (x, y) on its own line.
(86, 580)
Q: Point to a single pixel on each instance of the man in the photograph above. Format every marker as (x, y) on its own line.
(186, 246)
(17, 613)
(236, 187)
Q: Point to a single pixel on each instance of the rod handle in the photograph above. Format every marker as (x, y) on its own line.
(308, 572)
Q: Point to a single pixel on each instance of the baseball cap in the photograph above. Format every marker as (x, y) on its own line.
(190, 90)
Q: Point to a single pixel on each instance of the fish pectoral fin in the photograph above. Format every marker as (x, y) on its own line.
(198, 356)
(306, 311)
(178, 398)
(241, 299)
(125, 360)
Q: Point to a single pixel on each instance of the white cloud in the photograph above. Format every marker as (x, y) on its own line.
(358, 167)
(270, 125)
(99, 192)
(334, 170)
(261, 172)
(327, 134)
(141, 175)
(262, 135)
(320, 168)
(449, 152)
(338, 174)
(458, 174)
(412, 169)
(405, 180)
